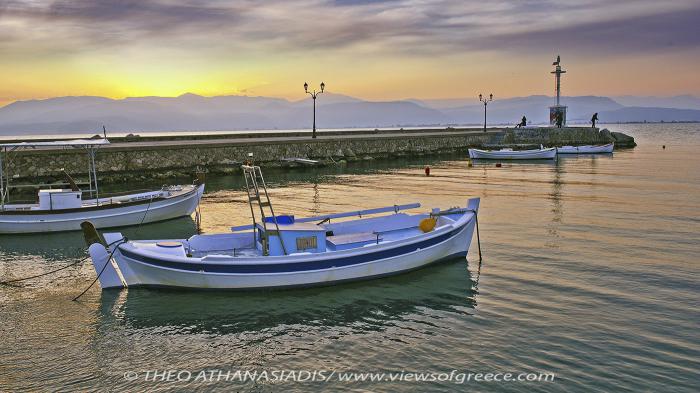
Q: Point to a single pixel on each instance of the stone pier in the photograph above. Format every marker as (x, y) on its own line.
(164, 157)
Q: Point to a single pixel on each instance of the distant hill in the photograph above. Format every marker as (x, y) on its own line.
(535, 108)
(637, 114)
(191, 112)
(676, 102)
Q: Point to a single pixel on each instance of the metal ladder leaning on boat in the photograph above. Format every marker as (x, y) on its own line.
(255, 183)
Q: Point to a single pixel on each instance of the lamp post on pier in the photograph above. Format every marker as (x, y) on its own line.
(486, 102)
(314, 94)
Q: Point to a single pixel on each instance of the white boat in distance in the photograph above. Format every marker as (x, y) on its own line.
(586, 149)
(65, 209)
(510, 154)
(281, 251)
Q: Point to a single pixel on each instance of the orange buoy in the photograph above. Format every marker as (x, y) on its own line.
(427, 171)
(427, 224)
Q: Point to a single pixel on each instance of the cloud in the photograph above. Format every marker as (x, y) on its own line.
(390, 27)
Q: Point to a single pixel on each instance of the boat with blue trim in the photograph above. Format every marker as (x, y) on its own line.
(64, 209)
(279, 251)
(509, 154)
(586, 149)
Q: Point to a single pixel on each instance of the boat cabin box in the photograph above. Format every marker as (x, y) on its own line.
(58, 199)
(297, 237)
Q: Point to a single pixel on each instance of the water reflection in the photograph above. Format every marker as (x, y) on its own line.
(509, 163)
(58, 245)
(373, 304)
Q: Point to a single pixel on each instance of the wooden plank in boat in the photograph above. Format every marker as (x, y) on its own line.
(349, 238)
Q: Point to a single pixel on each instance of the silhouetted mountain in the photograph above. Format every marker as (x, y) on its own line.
(677, 102)
(639, 114)
(191, 112)
(535, 108)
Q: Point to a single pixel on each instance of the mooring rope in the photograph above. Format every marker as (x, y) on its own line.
(138, 227)
(478, 239)
(198, 218)
(109, 260)
(43, 274)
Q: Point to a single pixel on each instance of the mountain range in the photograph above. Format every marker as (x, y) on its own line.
(190, 112)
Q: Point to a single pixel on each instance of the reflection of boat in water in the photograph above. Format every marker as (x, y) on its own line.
(64, 209)
(586, 149)
(510, 154)
(281, 251)
(448, 287)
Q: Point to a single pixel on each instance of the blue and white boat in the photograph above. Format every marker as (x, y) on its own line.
(282, 251)
(64, 209)
(510, 154)
(586, 149)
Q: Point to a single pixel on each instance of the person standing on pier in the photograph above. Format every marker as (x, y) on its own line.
(560, 119)
(523, 122)
(594, 119)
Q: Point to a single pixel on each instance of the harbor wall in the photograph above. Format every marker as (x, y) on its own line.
(162, 158)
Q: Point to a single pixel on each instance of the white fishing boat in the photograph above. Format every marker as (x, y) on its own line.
(281, 251)
(510, 154)
(586, 149)
(64, 209)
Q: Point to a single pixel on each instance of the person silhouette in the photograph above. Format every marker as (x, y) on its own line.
(523, 122)
(594, 119)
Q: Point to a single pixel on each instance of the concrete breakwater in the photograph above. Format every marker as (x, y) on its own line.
(162, 157)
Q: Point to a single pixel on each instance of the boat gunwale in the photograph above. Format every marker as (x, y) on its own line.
(449, 230)
(594, 149)
(528, 151)
(106, 206)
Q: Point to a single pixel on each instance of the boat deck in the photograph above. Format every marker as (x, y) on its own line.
(168, 192)
(347, 241)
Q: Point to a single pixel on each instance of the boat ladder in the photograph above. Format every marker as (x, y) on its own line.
(257, 195)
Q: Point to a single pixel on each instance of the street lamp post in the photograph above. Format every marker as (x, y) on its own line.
(314, 94)
(486, 102)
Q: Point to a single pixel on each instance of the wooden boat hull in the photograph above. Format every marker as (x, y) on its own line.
(102, 217)
(131, 267)
(588, 149)
(537, 154)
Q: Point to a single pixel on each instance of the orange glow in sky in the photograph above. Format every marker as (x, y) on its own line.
(380, 50)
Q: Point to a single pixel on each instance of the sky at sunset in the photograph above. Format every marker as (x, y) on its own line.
(378, 50)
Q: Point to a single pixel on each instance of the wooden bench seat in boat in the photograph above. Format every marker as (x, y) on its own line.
(351, 240)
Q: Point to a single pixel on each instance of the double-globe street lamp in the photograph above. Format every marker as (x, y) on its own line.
(486, 102)
(314, 94)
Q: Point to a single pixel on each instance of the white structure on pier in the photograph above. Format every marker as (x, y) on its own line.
(557, 110)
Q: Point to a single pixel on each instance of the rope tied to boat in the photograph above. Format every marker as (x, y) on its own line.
(109, 260)
(148, 207)
(478, 239)
(462, 210)
(9, 282)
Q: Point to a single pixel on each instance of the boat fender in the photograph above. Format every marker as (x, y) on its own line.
(427, 224)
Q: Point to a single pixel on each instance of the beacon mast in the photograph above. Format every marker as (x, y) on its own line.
(557, 110)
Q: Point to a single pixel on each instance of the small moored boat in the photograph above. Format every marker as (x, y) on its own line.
(64, 209)
(283, 251)
(510, 154)
(586, 149)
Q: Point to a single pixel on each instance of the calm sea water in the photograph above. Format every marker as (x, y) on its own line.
(590, 272)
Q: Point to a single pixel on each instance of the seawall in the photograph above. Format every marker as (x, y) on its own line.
(164, 157)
